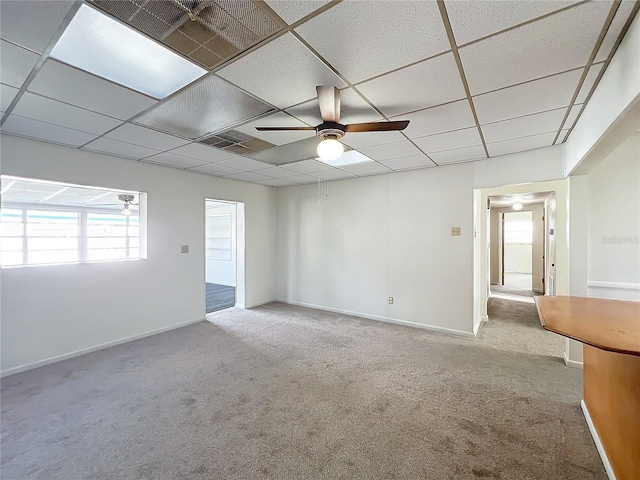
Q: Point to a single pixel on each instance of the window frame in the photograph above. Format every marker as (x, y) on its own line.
(83, 251)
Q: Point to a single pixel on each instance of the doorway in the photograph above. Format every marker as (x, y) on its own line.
(221, 255)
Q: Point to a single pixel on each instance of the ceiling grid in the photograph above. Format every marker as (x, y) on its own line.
(378, 79)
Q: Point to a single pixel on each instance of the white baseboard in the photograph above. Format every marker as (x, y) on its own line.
(614, 290)
(484, 318)
(77, 353)
(596, 440)
(433, 328)
(571, 363)
(257, 304)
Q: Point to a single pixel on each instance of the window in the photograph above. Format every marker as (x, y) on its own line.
(518, 231)
(48, 223)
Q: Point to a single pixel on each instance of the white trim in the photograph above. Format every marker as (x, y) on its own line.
(571, 363)
(451, 331)
(77, 353)
(614, 285)
(596, 439)
(255, 304)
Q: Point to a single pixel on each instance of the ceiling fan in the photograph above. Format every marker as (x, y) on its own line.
(127, 200)
(330, 130)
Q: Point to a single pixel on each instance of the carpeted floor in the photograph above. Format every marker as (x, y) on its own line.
(219, 297)
(282, 392)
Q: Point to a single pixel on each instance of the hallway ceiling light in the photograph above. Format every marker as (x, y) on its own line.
(517, 206)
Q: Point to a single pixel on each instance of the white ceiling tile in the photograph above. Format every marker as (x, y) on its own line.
(372, 168)
(371, 139)
(7, 94)
(17, 63)
(283, 72)
(309, 167)
(336, 174)
(621, 17)
(62, 82)
(430, 83)
(561, 137)
(473, 20)
(353, 109)
(557, 43)
(247, 177)
(544, 122)
(573, 116)
(173, 160)
(215, 169)
(594, 71)
(45, 131)
(275, 172)
(145, 137)
(406, 163)
(276, 120)
(57, 113)
(293, 10)
(385, 35)
(459, 155)
(521, 144)
(121, 149)
(204, 153)
(289, 181)
(391, 150)
(533, 97)
(453, 116)
(32, 24)
(244, 164)
(467, 137)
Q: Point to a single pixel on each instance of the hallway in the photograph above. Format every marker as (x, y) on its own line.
(514, 324)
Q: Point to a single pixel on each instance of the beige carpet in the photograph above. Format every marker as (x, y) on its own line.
(282, 392)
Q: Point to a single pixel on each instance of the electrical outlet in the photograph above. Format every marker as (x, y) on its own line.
(390, 300)
(455, 231)
(184, 249)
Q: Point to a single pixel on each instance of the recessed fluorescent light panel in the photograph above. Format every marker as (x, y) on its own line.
(104, 47)
(352, 157)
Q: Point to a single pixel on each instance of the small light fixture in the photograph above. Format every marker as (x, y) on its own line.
(517, 206)
(126, 211)
(330, 148)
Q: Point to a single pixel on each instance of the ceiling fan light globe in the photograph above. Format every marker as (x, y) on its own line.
(126, 211)
(330, 149)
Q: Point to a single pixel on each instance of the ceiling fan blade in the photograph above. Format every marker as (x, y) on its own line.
(329, 101)
(378, 126)
(275, 129)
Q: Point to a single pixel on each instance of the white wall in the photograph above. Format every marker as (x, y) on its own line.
(614, 224)
(52, 311)
(616, 93)
(382, 236)
(223, 272)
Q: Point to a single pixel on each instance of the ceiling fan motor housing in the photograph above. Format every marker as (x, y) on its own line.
(331, 130)
(127, 198)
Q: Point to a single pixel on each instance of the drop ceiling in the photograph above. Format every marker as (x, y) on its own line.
(476, 80)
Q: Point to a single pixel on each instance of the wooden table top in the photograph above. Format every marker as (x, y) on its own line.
(612, 325)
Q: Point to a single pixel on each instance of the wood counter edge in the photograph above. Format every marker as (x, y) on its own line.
(543, 321)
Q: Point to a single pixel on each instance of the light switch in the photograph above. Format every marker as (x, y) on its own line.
(455, 231)
(184, 249)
